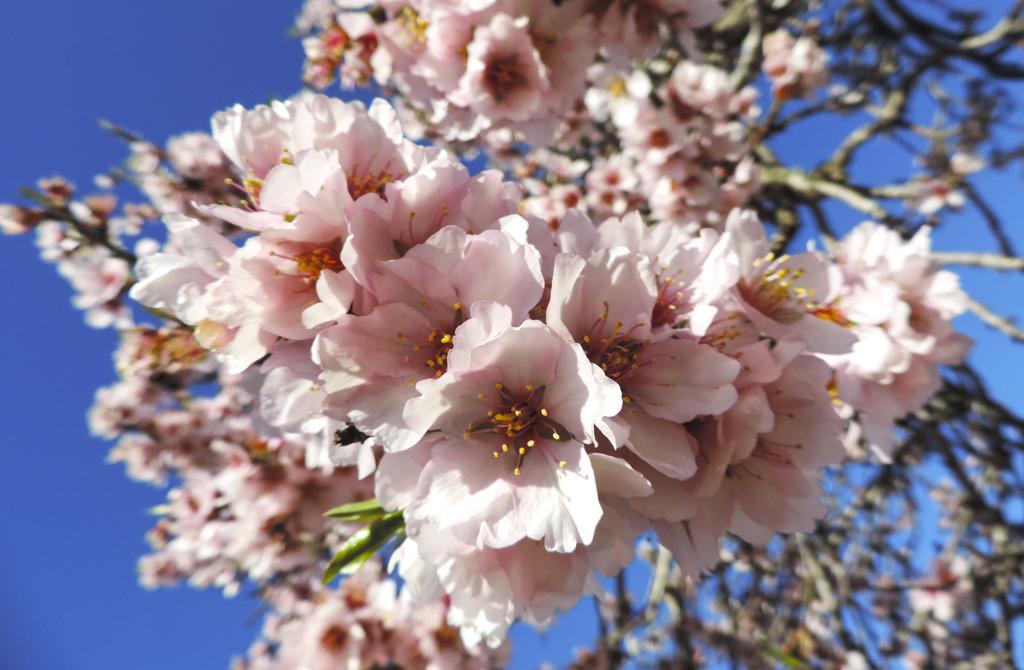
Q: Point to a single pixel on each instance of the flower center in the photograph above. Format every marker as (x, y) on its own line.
(615, 353)
(446, 636)
(438, 360)
(519, 421)
(334, 638)
(437, 345)
(830, 313)
(503, 75)
(670, 295)
(617, 87)
(414, 25)
(776, 293)
(368, 182)
(311, 263)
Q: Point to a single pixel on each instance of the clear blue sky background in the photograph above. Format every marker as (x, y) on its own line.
(72, 526)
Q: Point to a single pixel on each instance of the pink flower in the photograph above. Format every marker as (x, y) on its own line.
(190, 279)
(758, 465)
(630, 29)
(371, 362)
(899, 305)
(505, 77)
(196, 156)
(491, 587)
(440, 194)
(796, 67)
(691, 272)
(607, 305)
(786, 295)
(513, 410)
(369, 142)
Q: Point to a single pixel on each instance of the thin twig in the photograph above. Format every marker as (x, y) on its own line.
(979, 259)
(1000, 323)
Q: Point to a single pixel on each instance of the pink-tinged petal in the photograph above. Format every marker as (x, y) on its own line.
(701, 318)
(662, 444)
(614, 293)
(384, 341)
(678, 380)
(337, 291)
(379, 410)
(695, 543)
(578, 383)
(489, 198)
(747, 236)
(398, 474)
(489, 320)
(563, 313)
(824, 336)
(773, 498)
(615, 430)
(248, 345)
(615, 477)
(714, 458)
(739, 428)
(287, 399)
(670, 500)
(467, 491)
(497, 268)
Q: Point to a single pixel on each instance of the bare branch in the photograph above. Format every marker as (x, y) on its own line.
(1000, 323)
(993, 261)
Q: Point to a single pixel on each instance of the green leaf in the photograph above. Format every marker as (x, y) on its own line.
(366, 510)
(363, 544)
(787, 660)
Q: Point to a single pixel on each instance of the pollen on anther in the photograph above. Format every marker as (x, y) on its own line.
(529, 387)
(504, 447)
(522, 450)
(517, 472)
(496, 454)
(543, 412)
(481, 396)
(458, 305)
(555, 436)
(498, 387)
(562, 464)
(530, 443)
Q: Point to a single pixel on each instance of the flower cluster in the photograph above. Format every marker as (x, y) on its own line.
(246, 507)
(89, 237)
(899, 303)
(355, 351)
(365, 623)
(511, 68)
(684, 154)
(797, 67)
(534, 395)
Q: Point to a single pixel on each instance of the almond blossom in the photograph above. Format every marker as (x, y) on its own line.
(524, 372)
(899, 304)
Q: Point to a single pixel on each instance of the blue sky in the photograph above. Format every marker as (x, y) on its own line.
(73, 526)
